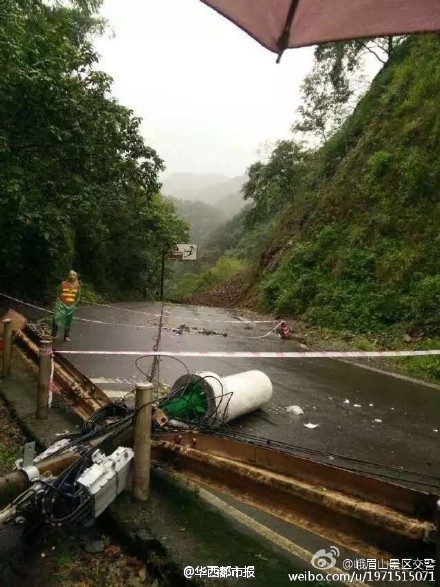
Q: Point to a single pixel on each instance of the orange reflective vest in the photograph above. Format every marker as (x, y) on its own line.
(68, 293)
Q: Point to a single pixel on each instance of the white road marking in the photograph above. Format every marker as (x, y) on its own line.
(106, 381)
(116, 393)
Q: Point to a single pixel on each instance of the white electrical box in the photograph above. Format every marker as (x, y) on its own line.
(107, 477)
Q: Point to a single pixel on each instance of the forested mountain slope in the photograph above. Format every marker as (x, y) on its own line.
(357, 244)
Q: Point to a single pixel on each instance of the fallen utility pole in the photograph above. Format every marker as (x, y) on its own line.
(15, 483)
(373, 517)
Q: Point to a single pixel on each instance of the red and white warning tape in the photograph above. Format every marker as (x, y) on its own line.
(264, 355)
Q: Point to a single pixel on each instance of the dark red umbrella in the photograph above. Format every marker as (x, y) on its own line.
(280, 24)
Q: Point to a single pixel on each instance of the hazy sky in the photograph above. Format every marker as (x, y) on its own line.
(208, 94)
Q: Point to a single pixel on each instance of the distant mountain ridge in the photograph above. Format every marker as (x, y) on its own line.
(214, 189)
(178, 183)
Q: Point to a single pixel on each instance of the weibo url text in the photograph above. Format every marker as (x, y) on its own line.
(365, 576)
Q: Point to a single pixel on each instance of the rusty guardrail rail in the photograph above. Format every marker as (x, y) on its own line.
(368, 515)
(81, 394)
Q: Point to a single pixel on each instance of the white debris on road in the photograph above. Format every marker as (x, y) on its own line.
(297, 410)
(378, 420)
(309, 425)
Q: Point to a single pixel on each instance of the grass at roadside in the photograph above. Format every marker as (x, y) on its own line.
(11, 440)
(423, 368)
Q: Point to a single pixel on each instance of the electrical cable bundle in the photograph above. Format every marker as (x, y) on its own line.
(215, 410)
(63, 500)
(107, 412)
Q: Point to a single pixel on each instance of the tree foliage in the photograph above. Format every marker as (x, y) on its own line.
(78, 184)
(202, 218)
(272, 185)
(331, 90)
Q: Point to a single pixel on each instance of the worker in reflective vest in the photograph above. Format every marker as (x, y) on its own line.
(67, 299)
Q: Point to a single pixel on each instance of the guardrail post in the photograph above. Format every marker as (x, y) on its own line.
(44, 369)
(142, 440)
(7, 347)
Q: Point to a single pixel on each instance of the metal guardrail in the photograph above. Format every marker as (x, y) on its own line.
(83, 396)
(373, 517)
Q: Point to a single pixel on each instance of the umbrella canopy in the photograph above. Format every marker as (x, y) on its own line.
(280, 24)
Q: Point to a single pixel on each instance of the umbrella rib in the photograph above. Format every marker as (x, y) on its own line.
(284, 37)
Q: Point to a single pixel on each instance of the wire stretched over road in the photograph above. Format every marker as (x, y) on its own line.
(237, 321)
(430, 481)
(76, 318)
(35, 307)
(161, 316)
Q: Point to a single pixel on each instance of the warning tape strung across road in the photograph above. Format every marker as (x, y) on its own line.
(136, 326)
(263, 355)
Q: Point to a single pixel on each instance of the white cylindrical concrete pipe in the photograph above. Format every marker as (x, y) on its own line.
(228, 397)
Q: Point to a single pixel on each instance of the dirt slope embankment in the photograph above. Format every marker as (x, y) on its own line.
(235, 292)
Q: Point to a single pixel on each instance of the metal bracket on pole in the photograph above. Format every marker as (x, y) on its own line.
(44, 370)
(7, 347)
(142, 440)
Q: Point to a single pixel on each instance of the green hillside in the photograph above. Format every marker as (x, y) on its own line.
(359, 249)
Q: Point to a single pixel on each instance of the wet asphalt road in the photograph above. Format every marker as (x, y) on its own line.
(409, 412)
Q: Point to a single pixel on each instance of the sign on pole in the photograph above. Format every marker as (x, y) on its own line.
(184, 252)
